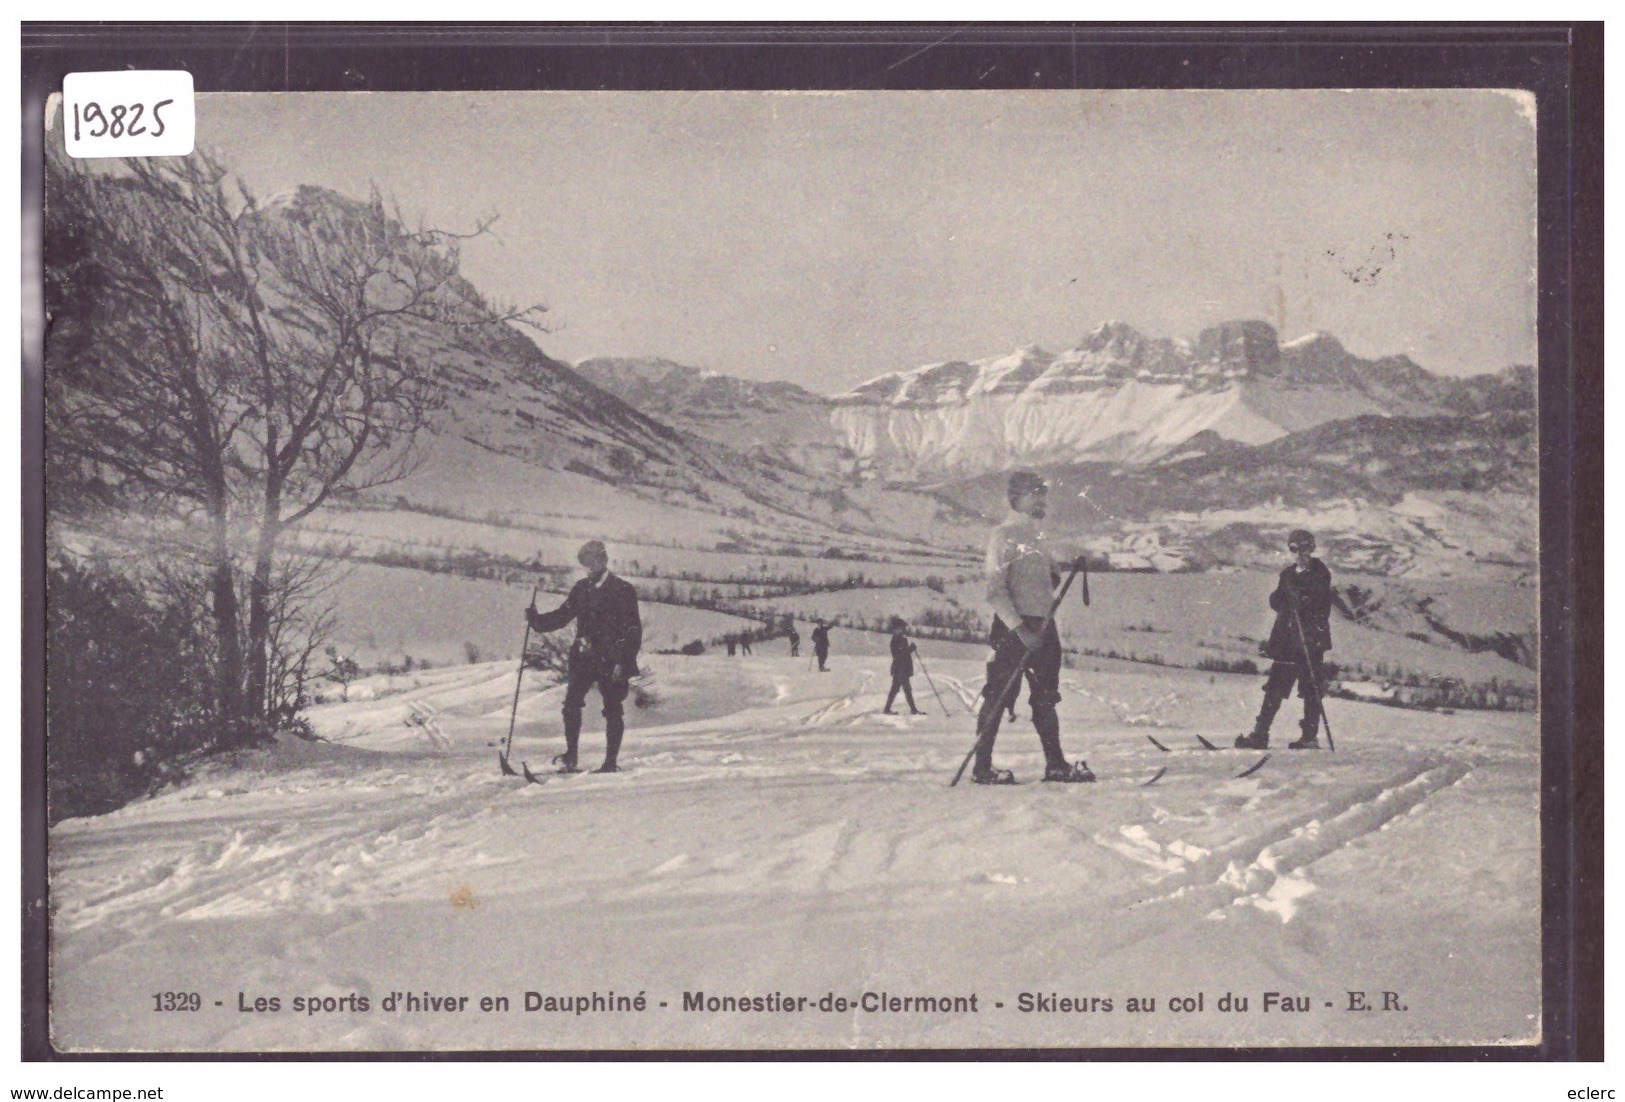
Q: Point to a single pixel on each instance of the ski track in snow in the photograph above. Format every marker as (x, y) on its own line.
(1150, 711)
(820, 716)
(801, 798)
(260, 866)
(969, 697)
(255, 867)
(1266, 870)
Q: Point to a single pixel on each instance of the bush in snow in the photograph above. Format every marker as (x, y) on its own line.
(548, 654)
(129, 689)
(1225, 665)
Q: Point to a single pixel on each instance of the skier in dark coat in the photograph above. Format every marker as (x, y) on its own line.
(795, 639)
(902, 667)
(820, 638)
(1302, 597)
(609, 634)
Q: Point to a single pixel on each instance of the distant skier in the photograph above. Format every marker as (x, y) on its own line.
(820, 638)
(902, 667)
(609, 634)
(795, 638)
(1021, 581)
(1302, 598)
(744, 642)
(732, 642)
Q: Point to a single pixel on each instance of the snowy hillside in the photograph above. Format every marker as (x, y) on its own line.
(511, 417)
(776, 422)
(775, 836)
(525, 439)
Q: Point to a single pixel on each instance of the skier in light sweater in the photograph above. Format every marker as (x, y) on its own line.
(1021, 581)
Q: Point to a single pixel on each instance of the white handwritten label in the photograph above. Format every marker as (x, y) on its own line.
(129, 113)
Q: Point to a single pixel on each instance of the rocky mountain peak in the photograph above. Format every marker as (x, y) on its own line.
(1247, 346)
(1010, 374)
(1110, 334)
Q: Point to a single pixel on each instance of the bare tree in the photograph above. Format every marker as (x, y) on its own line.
(341, 668)
(242, 364)
(302, 618)
(139, 408)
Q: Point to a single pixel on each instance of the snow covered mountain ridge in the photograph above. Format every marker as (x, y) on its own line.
(1115, 352)
(1117, 396)
(1121, 397)
(664, 384)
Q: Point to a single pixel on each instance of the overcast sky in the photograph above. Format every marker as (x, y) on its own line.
(829, 238)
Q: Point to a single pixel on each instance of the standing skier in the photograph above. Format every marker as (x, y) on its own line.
(605, 652)
(795, 638)
(1302, 635)
(820, 638)
(1021, 581)
(744, 642)
(902, 667)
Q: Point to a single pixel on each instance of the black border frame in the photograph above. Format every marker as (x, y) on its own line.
(1560, 62)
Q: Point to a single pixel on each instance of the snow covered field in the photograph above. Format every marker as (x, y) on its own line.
(387, 612)
(774, 836)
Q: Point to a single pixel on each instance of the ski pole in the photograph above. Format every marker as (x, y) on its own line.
(981, 734)
(1314, 682)
(928, 680)
(513, 715)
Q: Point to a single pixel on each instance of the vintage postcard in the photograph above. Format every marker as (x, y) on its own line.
(727, 570)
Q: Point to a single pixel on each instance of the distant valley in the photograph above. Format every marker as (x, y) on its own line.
(1170, 454)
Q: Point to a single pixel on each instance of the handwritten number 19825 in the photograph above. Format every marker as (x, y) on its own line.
(118, 120)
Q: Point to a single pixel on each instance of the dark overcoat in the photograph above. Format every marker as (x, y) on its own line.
(902, 655)
(1309, 592)
(608, 628)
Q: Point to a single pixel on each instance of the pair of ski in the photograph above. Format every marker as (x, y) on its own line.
(1206, 745)
(531, 778)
